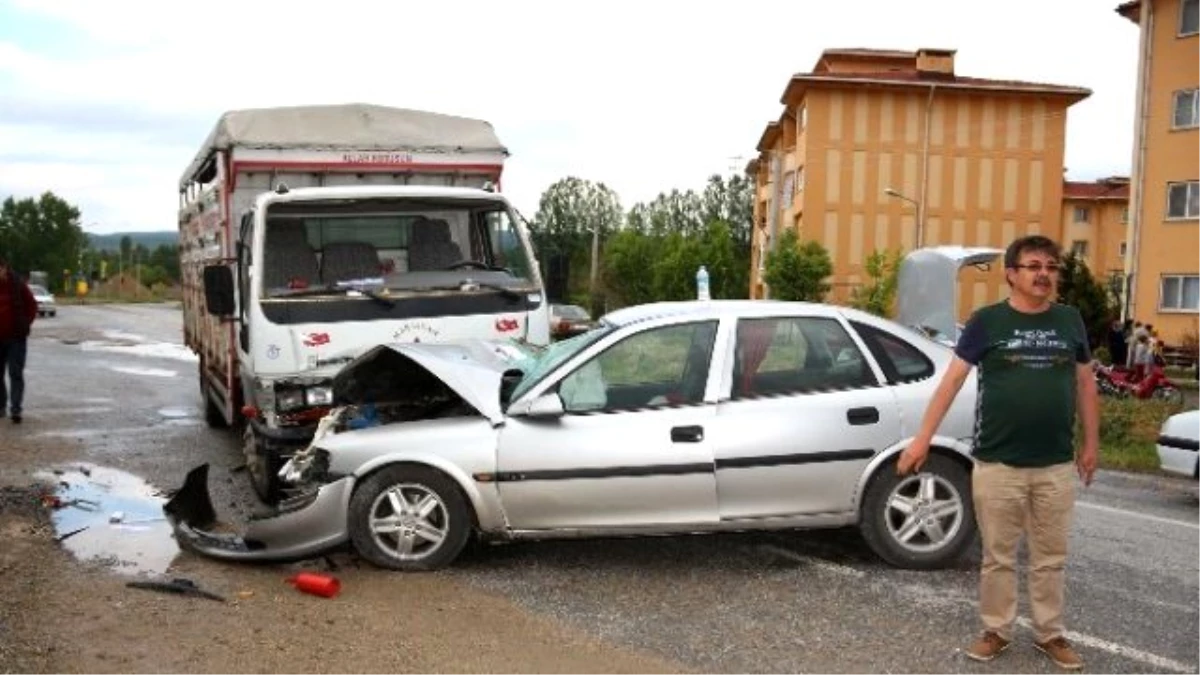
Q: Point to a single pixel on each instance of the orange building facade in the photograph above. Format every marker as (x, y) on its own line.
(1163, 266)
(880, 150)
(1094, 219)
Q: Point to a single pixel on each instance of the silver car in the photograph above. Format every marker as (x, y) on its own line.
(667, 418)
(46, 306)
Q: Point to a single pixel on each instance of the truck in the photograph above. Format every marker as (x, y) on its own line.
(310, 234)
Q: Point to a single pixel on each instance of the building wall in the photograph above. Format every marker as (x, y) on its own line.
(1103, 232)
(1165, 246)
(994, 174)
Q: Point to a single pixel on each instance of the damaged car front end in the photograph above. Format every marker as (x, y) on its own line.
(432, 386)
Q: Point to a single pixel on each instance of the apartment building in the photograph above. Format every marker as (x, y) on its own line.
(881, 149)
(1094, 219)
(1163, 266)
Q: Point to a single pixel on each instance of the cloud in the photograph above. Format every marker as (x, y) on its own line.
(644, 96)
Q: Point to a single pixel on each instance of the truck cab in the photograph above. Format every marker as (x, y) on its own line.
(301, 262)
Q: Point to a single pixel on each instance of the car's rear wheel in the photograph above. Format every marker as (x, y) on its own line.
(409, 518)
(921, 521)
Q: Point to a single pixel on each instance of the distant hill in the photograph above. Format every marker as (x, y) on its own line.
(151, 240)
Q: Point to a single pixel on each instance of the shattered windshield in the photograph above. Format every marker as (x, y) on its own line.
(392, 246)
(554, 355)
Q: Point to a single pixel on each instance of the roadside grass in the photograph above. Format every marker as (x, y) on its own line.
(1128, 432)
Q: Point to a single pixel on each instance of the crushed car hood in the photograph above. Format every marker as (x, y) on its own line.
(474, 369)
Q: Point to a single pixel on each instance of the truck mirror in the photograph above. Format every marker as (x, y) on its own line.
(218, 290)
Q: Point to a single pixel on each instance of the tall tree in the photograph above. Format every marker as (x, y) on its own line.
(1077, 287)
(41, 234)
(568, 212)
(879, 293)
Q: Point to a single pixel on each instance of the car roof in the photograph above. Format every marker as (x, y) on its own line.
(713, 309)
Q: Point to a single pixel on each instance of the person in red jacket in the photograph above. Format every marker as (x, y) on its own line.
(17, 310)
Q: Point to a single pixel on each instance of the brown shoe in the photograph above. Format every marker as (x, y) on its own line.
(1061, 653)
(987, 647)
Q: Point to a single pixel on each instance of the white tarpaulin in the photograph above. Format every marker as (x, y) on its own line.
(355, 126)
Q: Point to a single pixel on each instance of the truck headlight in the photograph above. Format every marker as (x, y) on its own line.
(289, 399)
(321, 395)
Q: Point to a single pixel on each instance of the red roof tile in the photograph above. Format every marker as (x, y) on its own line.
(909, 77)
(1103, 189)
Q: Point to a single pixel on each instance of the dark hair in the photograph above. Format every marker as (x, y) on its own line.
(1033, 242)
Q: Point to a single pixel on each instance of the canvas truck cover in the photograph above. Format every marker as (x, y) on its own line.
(350, 127)
(927, 286)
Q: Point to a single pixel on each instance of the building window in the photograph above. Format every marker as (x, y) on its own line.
(1187, 109)
(1081, 214)
(789, 189)
(1189, 17)
(1183, 200)
(801, 119)
(1125, 215)
(800, 179)
(1122, 250)
(1079, 248)
(1180, 293)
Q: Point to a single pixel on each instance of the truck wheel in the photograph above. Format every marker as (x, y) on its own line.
(262, 466)
(409, 518)
(921, 521)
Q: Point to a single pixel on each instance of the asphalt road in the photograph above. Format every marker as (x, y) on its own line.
(117, 379)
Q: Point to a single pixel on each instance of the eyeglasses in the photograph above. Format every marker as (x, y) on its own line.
(1052, 268)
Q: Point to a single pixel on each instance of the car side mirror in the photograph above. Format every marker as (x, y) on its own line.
(545, 406)
(218, 290)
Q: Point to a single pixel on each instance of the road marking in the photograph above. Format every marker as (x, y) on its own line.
(924, 593)
(1135, 514)
(1120, 650)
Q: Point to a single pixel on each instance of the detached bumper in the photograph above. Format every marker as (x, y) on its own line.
(299, 527)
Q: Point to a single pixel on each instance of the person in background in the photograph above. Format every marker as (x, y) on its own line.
(1034, 377)
(17, 311)
(1116, 342)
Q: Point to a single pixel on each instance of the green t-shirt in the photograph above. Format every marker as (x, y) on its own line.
(1025, 412)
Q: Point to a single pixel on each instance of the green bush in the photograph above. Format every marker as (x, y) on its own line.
(1128, 431)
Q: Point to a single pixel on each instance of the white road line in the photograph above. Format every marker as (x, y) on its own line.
(813, 562)
(1120, 650)
(1135, 514)
(922, 592)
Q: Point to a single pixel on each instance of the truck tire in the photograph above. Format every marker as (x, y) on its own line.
(261, 465)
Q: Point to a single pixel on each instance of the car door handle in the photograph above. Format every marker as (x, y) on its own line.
(693, 434)
(859, 416)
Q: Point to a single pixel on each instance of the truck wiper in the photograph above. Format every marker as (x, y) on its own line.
(328, 290)
(472, 285)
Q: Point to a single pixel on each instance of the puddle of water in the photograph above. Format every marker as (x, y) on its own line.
(152, 372)
(164, 350)
(176, 413)
(140, 543)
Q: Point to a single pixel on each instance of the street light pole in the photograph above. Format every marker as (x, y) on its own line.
(892, 192)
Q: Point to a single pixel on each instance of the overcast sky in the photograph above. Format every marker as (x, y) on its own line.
(105, 103)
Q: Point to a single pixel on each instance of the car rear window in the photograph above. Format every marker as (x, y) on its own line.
(901, 362)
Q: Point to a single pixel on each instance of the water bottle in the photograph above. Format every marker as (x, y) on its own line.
(702, 284)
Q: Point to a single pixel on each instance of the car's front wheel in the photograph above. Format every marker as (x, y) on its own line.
(409, 518)
(920, 521)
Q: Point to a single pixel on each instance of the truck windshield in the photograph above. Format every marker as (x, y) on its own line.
(393, 244)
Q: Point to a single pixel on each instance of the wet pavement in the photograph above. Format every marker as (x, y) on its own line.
(115, 381)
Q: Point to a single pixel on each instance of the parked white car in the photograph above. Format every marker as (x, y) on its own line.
(1179, 444)
(45, 300)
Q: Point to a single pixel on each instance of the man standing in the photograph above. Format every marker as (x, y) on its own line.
(1034, 375)
(17, 310)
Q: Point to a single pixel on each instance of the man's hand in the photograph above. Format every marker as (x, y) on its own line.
(912, 458)
(1085, 462)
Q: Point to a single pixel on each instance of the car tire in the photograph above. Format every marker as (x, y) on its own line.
(384, 543)
(948, 516)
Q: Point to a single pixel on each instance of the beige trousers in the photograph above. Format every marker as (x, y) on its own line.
(1036, 502)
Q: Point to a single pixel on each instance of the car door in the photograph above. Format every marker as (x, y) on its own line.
(631, 451)
(806, 412)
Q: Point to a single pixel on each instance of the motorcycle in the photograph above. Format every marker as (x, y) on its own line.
(1119, 382)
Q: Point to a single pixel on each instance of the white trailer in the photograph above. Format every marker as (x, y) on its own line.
(308, 235)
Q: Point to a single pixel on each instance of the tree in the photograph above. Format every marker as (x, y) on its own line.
(879, 294)
(41, 234)
(1078, 288)
(796, 271)
(568, 212)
